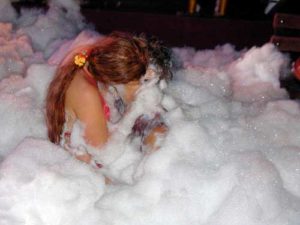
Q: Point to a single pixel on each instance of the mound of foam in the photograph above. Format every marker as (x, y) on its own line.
(231, 155)
(42, 184)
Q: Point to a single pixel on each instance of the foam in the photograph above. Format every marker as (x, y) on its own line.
(231, 155)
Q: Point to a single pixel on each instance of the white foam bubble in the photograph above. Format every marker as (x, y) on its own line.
(231, 155)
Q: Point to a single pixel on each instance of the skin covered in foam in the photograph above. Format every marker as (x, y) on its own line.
(231, 163)
(115, 156)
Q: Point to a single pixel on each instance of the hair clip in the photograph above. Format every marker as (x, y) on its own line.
(80, 58)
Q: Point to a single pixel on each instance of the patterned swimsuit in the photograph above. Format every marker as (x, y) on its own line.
(113, 112)
(66, 141)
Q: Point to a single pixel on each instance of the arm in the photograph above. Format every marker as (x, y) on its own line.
(90, 112)
(151, 140)
(150, 129)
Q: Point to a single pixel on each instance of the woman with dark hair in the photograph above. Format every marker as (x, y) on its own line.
(88, 74)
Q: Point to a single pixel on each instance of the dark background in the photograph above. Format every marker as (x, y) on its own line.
(244, 23)
(236, 9)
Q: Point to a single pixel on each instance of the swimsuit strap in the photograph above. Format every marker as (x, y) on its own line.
(105, 106)
(118, 101)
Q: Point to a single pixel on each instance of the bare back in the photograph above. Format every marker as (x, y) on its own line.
(82, 103)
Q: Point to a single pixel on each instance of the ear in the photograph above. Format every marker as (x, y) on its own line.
(85, 69)
(150, 75)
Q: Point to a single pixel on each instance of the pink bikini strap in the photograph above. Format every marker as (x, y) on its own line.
(106, 108)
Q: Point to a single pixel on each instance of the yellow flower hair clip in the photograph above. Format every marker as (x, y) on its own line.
(80, 58)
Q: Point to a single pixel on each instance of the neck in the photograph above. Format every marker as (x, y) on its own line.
(130, 90)
(89, 77)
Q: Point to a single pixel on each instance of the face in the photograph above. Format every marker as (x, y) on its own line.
(152, 74)
(133, 84)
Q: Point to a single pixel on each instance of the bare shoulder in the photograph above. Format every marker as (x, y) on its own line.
(83, 98)
(81, 93)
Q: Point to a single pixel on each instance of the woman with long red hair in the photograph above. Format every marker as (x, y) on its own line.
(83, 79)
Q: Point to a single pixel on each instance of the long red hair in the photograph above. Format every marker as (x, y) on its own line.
(118, 58)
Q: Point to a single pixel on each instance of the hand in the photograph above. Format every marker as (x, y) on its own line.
(84, 158)
(151, 139)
